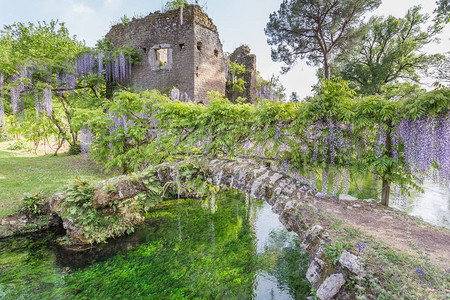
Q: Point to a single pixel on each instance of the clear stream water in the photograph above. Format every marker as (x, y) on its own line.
(182, 251)
(433, 206)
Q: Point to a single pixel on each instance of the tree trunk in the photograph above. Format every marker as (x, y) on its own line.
(326, 68)
(385, 193)
(325, 172)
(385, 189)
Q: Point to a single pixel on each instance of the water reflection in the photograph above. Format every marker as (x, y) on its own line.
(433, 206)
(182, 251)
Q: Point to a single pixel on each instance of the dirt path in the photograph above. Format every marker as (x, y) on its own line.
(393, 227)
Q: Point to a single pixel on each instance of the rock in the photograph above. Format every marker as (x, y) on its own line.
(311, 237)
(356, 205)
(321, 195)
(369, 200)
(347, 197)
(330, 287)
(313, 274)
(350, 262)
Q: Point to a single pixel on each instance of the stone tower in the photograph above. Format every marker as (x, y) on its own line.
(243, 57)
(178, 48)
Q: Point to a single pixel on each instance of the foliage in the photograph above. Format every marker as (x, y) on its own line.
(389, 51)
(44, 44)
(175, 4)
(154, 193)
(93, 223)
(442, 12)
(195, 178)
(235, 77)
(333, 252)
(32, 203)
(334, 129)
(19, 145)
(271, 89)
(125, 20)
(439, 69)
(74, 149)
(47, 71)
(315, 30)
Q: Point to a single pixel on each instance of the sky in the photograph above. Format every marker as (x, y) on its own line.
(238, 22)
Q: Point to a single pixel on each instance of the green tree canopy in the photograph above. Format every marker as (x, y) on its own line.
(315, 29)
(389, 51)
(442, 11)
(41, 44)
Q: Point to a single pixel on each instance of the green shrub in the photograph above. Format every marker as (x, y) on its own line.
(4, 136)
(19, 145)
(94, 223)
(75, 149)
(32, 204)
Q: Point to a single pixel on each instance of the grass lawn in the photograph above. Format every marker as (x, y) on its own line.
(22, 172)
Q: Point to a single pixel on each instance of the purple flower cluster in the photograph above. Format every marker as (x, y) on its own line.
(175, 94)
(426, 145)
(420, 271)
(267, 92)
(116, 68)
(2, 113)
(47, 99)
(86, 139)
(361, 247)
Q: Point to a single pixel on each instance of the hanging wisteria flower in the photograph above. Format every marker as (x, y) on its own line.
(37, 104)
(15, 94)
(100, 62)
(47, 99)
(2, 113)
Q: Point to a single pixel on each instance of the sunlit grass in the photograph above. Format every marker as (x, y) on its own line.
(22, 172)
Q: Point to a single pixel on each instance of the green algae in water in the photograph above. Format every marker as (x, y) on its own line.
(182, 252)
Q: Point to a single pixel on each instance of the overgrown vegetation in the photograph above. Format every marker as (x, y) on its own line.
(94, 224)
(334, 129)
(32, 203)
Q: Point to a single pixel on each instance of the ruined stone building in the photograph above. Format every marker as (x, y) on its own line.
(178, 48)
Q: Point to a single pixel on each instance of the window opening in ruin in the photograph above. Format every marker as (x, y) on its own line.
(162, 57)
(144, 49)
(199, 46)
(181, 46)
(216, 52)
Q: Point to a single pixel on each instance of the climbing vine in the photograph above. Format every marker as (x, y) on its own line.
(402, 142)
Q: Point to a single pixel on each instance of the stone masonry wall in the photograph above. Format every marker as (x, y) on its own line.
(209, 63)
(178, 31)
(242, 56)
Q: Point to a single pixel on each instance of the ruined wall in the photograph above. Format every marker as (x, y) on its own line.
(242, 56)
(173, 36)
(209, 60)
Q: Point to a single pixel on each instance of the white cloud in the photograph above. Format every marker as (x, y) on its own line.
(112, 2)
(81, 8)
